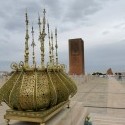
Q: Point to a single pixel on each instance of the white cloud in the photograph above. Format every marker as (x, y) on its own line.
(100, 23)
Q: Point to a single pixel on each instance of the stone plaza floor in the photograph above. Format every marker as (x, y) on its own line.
(103, 95)
(99, 95)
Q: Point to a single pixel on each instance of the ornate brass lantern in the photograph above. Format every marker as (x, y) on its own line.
(32, 88)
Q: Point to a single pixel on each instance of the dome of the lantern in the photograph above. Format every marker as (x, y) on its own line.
(37, 89)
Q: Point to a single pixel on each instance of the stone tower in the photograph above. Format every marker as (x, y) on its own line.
(76, 57)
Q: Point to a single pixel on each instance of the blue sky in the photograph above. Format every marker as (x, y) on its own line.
(100, 23)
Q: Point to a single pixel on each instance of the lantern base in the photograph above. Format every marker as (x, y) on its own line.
(32, 116)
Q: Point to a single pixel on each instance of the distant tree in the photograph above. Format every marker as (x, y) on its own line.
(97, 73)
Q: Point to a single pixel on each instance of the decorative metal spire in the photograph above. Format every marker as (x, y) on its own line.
(39, 23)
(56, 46)
(33, 45)
(44, 22)
(42, 37)
(50, 54)
(52, 48)
(26, 56)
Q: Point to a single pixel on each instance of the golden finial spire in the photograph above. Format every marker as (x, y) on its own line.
(26, 56)
(50, 55)
(33, 45)
(39, 23)
(56, 46)
(44, 20)
(42, 37)
(52, 48)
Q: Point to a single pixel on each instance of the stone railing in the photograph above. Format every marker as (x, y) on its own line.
(82, 78)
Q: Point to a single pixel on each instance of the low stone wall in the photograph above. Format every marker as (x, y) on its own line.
(83, 78)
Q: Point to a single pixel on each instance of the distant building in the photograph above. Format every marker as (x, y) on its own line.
(109, 72)
(76, 57)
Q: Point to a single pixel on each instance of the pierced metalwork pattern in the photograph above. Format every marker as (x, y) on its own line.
(43, 92)
(62, 93)
(62, 82)
(14, 95)
(27, 91)
(53, 93)
(37, 89)
(7, 87)
(71, 82)
(71, 85)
